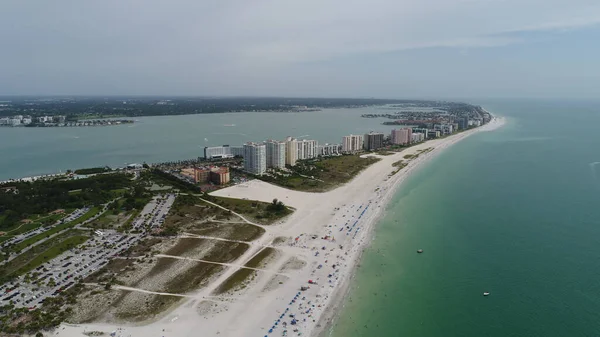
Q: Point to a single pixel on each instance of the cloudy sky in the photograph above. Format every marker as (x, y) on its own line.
(324, 48)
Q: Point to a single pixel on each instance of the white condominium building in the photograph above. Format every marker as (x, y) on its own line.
(218, 152)
(307, 149)
(418, 137)
(291, 151)
(352, 143)
(275, 153)
(329, 149)
(255, 158)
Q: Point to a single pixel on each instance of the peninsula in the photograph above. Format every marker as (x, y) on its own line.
(257, 242)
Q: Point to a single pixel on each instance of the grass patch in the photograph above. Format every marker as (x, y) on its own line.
(185, 245)
(418, 153)
(385, 153)
(194, 278)
(162, 265)
(327, 173)
(226, 252)
(237, 231)
(236, 281)
(258, 259)
(263, 212)
(152, 306)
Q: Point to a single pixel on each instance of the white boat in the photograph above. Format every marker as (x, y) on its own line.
(486, 293)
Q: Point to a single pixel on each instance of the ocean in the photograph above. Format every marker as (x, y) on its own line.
(513, 212)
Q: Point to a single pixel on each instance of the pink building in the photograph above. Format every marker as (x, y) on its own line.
(401, 136)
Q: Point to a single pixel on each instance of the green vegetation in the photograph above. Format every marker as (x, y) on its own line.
(22, 321)
(385, 153)
(399, 165)
(416, 155)
(44, 196)
(236, 281)
(262, 212)
(93, 170)
(235, 231)
(193, 278)
(258, 259)
(321, 174)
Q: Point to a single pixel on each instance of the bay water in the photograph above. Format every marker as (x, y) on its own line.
(33, 151)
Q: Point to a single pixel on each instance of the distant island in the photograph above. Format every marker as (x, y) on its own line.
(57, 121)
(76, 109)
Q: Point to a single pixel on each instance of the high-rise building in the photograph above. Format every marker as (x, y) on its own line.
(291, 152)
(255, 158)
(352, 143)
(306, 149)
(329, 149)
(401, 136)
(237, 151)
(373, 141)
(417, 137)
(275, 153)
(215, 152)
(424, 131)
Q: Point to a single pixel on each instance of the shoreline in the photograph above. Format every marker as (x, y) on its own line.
(254, 308)
(333, 309)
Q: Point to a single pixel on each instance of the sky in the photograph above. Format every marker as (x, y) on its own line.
(317, 48)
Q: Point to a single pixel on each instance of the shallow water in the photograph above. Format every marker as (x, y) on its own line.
(513, 212)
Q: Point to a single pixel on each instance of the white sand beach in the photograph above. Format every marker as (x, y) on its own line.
(328, 232)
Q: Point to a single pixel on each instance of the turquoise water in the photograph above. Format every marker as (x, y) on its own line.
(33, 151)
(514, 212)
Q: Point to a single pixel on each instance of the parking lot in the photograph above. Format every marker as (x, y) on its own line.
(62, 272)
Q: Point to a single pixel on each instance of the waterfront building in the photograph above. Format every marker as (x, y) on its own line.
(4, 121)
(417, 137)
(291, 152)
(306, 149)
(421, 130)
(275, 153)
(237, 151)
(215, 152)
(462, 123)
(373, 141)
(329, 150)
(445, 129)
(219, 175)
(352, 143)
(255, 158)
(401, 136)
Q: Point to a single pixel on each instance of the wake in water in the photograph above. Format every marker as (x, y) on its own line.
(594, 171)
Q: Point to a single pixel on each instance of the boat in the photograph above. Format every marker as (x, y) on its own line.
(229, 125)
(419, 251)
(486, 293)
